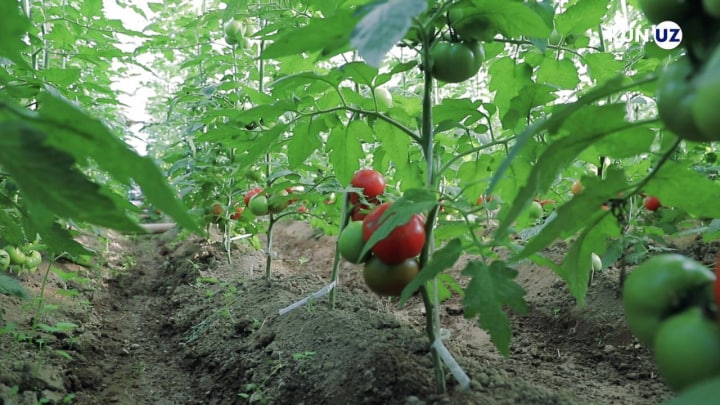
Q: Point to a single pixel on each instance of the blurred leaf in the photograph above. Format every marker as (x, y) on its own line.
(383, 26)
(10, 286)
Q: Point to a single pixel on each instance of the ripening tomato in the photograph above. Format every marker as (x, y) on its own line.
(577, 187)
(389, 280)
(404, 242)
(237, 214)
(652, 203)
(360, 211)
(251, 193)
(216, 209)
(370, 181)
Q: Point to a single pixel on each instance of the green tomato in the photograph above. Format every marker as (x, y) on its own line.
(383, 98)
(351, 243)
(456, 62)
(658, 11)
(596, 262)
(5, 259)
(16, 255)
(687, 349)
(536, 210)
(555, 38)
(469, 24)
(33, 260)
(707, 98)
(259, 205)
(278, 202)
(675, 100)
(232, 28)
(660, 287)
(389, 280)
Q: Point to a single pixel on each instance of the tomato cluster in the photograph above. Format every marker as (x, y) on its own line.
(236, 33)
(689, 89)
(391, 263)
(671, 307)
(261, 203)
(25, 259)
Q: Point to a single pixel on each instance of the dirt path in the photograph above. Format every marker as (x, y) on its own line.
(134, 363)
(175, 323)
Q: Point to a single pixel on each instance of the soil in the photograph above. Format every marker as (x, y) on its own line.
(167, 320)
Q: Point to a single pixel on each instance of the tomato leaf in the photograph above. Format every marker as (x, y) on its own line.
(580, 17)
(581, 210)
(384, 25)
(345, 149)
(577, 265)
(13, 25)
(328, 35)
(71, 130)
(442, 259)
(672, 182)
(585, 127)
(491, 288)
(513, 19)
(10, 286)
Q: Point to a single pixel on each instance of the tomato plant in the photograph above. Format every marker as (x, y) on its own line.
(404, 242)
(389, 279)
(4, 260)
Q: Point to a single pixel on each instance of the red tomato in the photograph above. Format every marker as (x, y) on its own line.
(483, 198)
(237, 214)
(302, 209)
(216, 209)
(360, 211)
(652, 203)
(370, 181)
(404, 241)
(252, 193)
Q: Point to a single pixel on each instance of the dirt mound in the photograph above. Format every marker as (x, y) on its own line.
(175, 323)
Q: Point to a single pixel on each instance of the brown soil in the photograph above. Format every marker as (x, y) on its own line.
(173, 323)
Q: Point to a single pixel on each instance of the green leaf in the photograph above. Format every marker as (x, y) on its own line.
(395, 143)
(675, 182)
(443, 258)
(585, 127)
(577, 265)
(303, 143)
(507, 78)
(384, 25)
(582, 16)
(83, 137)
(10, 286)
(529, 97)
(603, 66)
(580, 211)
(327, 35)
(345, 149)
(13, 25)
(491, 288)
(559, 73)
(513, 19)
(51, 184)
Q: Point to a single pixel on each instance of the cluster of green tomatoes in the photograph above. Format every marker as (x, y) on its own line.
(671, 306)
(18, 260)
(688, 92)
(391, 263)
(237, 33)
(459, 58)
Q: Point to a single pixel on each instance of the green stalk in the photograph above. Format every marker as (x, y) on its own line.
(432, 314)
(268, 253)
(336, 260)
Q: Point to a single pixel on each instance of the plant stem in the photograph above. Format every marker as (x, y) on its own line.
(336, 260)
(268, 252)
(432, 314)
